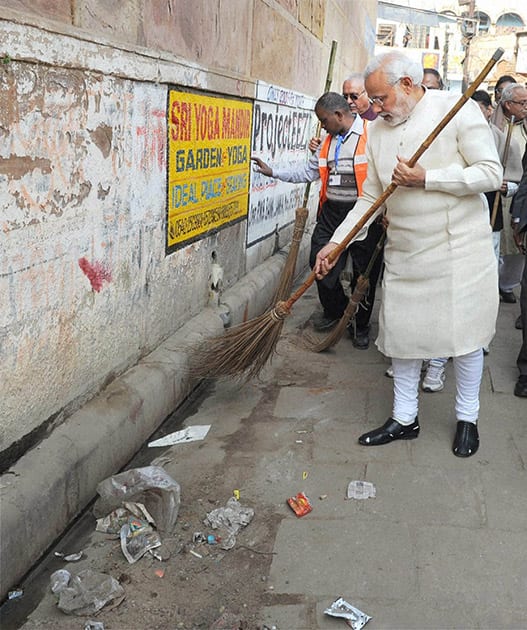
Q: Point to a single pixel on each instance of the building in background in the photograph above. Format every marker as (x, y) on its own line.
(457, 38)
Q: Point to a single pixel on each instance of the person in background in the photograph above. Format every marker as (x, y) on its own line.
(340, 163)
(432, 79)
(519, 221)
(360, 253)
(502, 83)
(512, 170)
(511, 176)
(440, 270)
(513, 102)
(353, 91)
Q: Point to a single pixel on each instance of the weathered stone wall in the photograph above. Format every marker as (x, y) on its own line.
(85, 285)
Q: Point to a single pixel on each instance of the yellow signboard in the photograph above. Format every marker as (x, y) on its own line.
(208, 164)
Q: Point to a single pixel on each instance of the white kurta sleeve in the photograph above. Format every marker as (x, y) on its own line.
(478, 168)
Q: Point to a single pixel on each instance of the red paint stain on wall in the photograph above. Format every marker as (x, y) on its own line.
(95, 273)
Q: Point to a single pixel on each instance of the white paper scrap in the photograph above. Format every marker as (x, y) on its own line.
(361, 490)
(190, 434)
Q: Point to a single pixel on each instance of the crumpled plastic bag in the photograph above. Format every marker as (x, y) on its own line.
(59, 580)
(85, 593)
(229, 520)
(151, 486)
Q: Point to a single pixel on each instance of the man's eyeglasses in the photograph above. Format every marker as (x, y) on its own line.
(353, 96)
(379, 100)
(522, 103)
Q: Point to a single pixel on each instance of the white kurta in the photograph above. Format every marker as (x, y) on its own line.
(440, 286)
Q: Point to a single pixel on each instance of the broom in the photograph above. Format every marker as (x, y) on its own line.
(288, 272)
(360, 290)
(504, 162)
(244, 350)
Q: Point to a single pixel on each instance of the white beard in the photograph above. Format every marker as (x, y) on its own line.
(400, 111)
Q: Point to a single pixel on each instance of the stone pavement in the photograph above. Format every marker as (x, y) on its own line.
(443, 544)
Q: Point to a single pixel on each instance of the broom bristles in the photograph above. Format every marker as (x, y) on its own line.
(243, 350)
(335, 335)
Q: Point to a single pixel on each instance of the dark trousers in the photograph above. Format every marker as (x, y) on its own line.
(521, 362)
(330, 291)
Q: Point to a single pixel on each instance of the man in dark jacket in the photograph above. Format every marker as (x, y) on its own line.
(519, 221)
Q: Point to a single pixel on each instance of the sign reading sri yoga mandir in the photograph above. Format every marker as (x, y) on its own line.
(209, 141)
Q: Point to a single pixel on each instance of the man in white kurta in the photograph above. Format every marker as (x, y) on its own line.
(440, 288)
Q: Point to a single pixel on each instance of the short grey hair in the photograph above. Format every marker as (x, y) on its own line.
(355, 76)
(395, 65)
(508, 92)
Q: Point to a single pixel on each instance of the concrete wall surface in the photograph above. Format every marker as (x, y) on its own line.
(86, 287)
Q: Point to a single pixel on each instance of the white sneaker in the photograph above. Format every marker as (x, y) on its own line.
(389, 372)
(434, 380)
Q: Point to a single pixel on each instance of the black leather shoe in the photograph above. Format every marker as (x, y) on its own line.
(508, 297)
(466, 442)
(520, 389)
(391, 430)
(518, 323)
(360, 338)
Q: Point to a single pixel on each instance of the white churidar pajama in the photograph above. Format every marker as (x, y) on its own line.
(406, 375)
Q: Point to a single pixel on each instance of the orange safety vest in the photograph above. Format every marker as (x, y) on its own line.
(360, 165)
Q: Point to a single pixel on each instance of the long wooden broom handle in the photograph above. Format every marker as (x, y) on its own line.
(334, 254)
(504, 162)
(329, 78)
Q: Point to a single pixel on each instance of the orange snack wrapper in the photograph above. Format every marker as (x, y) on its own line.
(300, 504)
